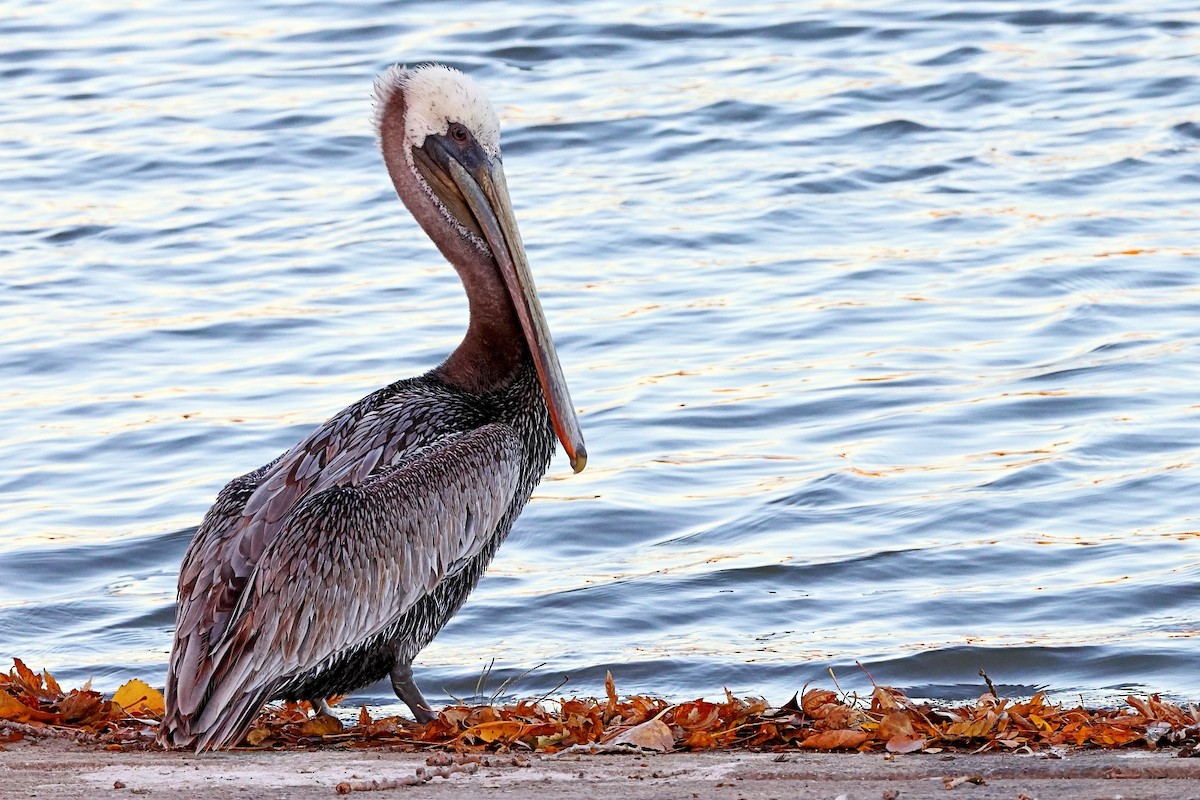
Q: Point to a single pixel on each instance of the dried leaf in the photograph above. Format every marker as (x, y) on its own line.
(893, 725)
(482, 714)
(821, 720)
(975, 729)
(256, 736)
(836, 740)
(52, 687)
(495, 731)
(83, 708)
(455, 717)
(28, 679)
(906, 744)
(886, 699)
(697, 715)
(320, 725)
(700, 740)
(137, 695)
(13, 709)
(652, 734)
(817, 699)
(550, 742)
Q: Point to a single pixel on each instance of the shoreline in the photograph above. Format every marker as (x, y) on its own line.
(63, 770)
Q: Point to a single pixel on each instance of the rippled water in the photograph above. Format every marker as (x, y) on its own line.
(882, 324)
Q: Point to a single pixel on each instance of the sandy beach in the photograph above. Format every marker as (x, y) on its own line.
(64, 769)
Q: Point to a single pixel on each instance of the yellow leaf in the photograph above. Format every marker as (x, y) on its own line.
(321, 725)
(1041, 723)
(491, 731)
(544, 742)
(255, 736)
(138, 695)
(972, 729)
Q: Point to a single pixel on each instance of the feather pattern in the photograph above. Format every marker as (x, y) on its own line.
(353, 573)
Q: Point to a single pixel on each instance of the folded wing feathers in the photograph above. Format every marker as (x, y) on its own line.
(351, 560)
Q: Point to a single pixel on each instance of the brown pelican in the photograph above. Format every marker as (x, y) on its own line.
(336, 563)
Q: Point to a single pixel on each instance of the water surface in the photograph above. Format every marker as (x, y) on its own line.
(881, 321)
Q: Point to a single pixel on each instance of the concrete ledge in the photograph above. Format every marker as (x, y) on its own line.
(60, 769)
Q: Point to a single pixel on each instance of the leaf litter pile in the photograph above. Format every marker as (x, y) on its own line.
(33, 706)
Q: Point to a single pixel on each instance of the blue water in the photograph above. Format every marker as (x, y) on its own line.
(882, 321)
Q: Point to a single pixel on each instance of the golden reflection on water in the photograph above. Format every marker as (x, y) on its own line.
(754, 363)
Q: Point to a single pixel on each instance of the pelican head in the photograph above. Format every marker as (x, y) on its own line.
(440, 139)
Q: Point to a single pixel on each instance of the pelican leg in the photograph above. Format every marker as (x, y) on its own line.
(321, 708)
(406, 689)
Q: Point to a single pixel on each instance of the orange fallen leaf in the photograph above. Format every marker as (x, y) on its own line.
(454, 717)
(697, 715)
(506, 730)
(29, 680)
(894, 725)
(610, 689)
(320, 725)
(52, 686)
(700, 740)
(835, 740)
(886, 699)
(821, 720)
(83, 708)
(482, 714)
(815, 700)
(13, 709)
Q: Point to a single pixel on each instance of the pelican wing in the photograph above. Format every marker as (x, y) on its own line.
(347, 563)
(209, 582)
(222, 556)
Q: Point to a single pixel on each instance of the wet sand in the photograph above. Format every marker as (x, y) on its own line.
(64, 769)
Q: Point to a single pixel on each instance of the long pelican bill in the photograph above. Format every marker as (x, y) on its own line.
(473, 189)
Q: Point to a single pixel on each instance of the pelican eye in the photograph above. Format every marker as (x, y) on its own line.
(459, 133)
